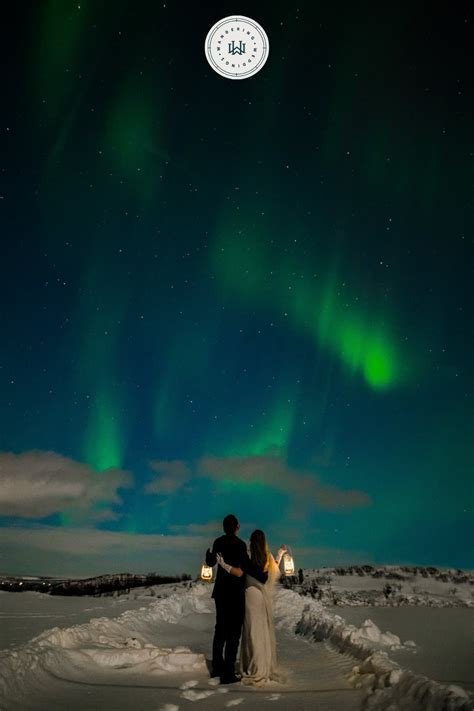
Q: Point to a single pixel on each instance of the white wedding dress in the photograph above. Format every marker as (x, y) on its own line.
(258, 661)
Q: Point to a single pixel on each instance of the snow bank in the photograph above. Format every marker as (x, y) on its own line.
(311, 618)
(388, 686)
(103, 645)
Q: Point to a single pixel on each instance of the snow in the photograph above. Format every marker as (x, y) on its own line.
(386, 683)
(155, 657)
(24, 615)
(390, 586)
(444, 639)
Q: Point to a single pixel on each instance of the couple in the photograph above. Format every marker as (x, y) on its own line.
(242, 593)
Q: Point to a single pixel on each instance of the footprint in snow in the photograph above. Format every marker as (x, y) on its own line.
(273, 697)
(234, 702)
(192, 695)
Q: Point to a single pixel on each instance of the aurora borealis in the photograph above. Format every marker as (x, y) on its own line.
(235, 296)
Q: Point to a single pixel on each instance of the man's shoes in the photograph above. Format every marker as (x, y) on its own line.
(230, 679)
(214, 673)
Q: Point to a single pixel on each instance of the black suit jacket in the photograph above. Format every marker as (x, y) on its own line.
(234, 552)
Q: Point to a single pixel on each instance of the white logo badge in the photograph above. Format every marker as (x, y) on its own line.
(236, 47)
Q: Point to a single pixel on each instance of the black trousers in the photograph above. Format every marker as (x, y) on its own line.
(229, 620)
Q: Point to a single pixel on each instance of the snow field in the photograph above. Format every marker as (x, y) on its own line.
(364, 586)
(122, 650)
(98, 647)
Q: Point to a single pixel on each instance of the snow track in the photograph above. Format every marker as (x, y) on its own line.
(155, 658)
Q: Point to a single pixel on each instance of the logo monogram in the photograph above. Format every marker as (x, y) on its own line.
(236, 50)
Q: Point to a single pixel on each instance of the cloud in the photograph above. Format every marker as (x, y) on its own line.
(213, 528)
(304, 488)
(36, 484)
(172, 476)
(83, 552)
(62, 551)
(272, 470)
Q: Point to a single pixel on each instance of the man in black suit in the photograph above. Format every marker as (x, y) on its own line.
(229, 596)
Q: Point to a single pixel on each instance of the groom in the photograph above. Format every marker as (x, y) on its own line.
(229, 596)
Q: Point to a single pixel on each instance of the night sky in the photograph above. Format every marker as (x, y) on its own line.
(246, 296)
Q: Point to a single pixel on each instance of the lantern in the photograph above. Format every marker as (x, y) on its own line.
(288, 564)
(206, 573)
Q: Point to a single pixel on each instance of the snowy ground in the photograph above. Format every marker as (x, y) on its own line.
(155, 657)
(25, 615)
(444, 639)
(390, 586)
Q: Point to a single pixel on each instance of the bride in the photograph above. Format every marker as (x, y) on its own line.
(258, 660)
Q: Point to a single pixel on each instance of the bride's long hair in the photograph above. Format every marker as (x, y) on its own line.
(259, 553)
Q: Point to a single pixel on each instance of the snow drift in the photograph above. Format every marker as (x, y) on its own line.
(388, 686)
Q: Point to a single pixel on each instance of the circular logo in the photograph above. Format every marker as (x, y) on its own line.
(236, 47)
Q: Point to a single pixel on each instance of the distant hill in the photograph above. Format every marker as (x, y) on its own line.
(99, 585)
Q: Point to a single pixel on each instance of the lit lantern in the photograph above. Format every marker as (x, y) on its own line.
(206, 573)
(288, 564)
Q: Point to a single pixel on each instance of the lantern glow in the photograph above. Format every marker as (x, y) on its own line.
(288, 564)
(206, 573)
